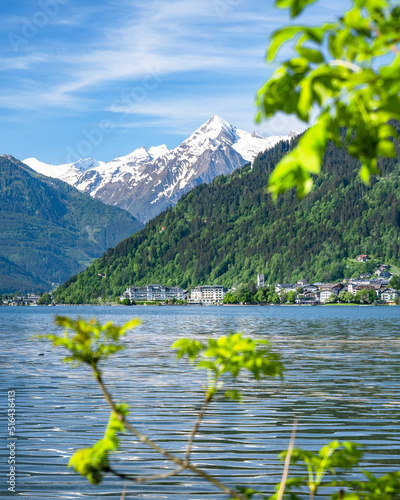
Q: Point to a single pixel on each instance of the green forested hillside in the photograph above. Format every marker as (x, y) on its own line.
(15, 279)
(49, 230)
(229, 230)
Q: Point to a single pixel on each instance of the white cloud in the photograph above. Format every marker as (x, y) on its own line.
(154, 39)
(183, 115)
(173, 37)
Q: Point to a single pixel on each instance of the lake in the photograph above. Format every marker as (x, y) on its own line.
(341, 382)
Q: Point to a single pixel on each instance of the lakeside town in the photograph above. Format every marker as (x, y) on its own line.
(365, 289)
(381, 287)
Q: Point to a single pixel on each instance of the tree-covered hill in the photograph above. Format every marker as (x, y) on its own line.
(49, 230)
(230, 230)
(14, 279)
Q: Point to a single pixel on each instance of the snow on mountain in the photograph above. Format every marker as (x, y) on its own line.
(157, 151)
(249, 145)
(68, 172)
(145, 182)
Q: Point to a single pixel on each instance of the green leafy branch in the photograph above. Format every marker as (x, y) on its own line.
(227, 355)
(91, 343)
(224, 359)
(343, 455)
(336, 455)
(93, 462)
(385, 487)
(230, 354)
(348, 72)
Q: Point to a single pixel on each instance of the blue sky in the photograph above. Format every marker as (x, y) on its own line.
(85, 78)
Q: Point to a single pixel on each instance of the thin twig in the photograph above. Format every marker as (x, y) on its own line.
(196, 427)
(285, 473)
(155, 477)
(142, 479)
(144, 439)
(124, 491)
(141, 437)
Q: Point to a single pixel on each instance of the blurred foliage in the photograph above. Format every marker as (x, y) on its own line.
(225, 358)
(348, 73)
(230, 354)
(94, 462)
(91, 341)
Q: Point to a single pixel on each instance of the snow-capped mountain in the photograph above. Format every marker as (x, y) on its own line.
(68, 172)
(145, 182)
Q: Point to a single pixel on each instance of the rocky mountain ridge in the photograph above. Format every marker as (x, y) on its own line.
(145, 182)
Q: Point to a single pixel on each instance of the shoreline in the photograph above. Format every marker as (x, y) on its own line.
(204, 305)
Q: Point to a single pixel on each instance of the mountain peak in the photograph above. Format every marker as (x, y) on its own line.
(216, 122)
(138, 154)
(86, 163)
(146, 181)
(157, 151)
(213, 129)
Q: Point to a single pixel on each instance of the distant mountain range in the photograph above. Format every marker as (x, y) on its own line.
(146, 182)
(49, 230)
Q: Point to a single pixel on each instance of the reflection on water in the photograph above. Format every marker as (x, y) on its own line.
(341, 382)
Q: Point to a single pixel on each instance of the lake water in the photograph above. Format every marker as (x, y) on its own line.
(341, 382)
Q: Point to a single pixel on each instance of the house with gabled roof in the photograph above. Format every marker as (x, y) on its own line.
(390, 295)
(327, 289)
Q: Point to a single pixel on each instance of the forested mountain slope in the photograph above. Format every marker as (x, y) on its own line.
(13, 278)
(230, 230)
(49, 230)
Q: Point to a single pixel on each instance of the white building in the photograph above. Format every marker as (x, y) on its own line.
(329, 289)
(154, 293)
(310, 299)
(390, 295)
(382, 273)
(357, 284)
(260, 280)
(207, 295)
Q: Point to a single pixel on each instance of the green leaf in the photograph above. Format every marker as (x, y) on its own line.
(282, 36)
(296, 6)
(231, 355)
(93, 462)
(295, 168)
(312, 55)
(188, 347)
(234, 395)
(91, 342)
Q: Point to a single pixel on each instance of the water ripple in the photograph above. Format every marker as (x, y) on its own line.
(341, 382)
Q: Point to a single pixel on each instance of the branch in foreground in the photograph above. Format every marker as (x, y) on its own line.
(285, 473)
(144, 439)
(142, 479)
(196, 427)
